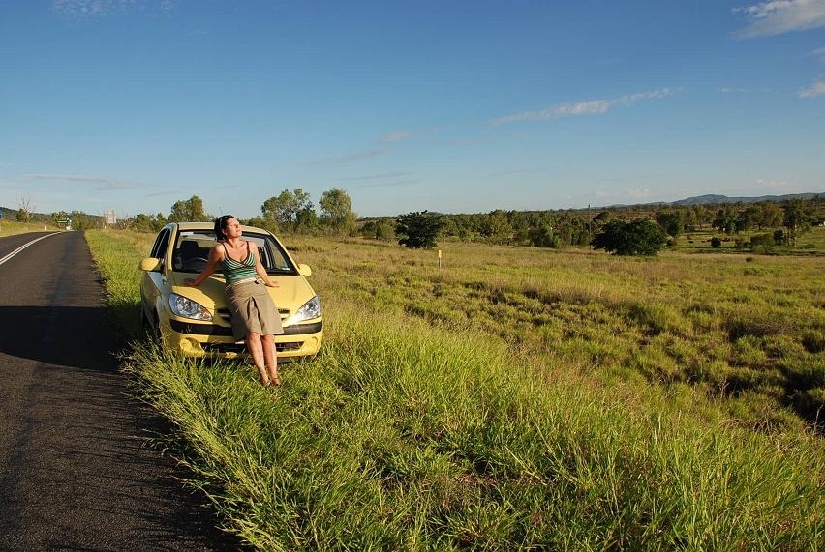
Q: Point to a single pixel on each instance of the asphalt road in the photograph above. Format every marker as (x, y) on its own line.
(75, 469)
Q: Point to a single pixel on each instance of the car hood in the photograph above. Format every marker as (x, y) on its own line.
(291, 294)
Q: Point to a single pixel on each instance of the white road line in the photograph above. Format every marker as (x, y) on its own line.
(22, 247)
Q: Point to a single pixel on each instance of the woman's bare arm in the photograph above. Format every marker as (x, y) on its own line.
(216, 255)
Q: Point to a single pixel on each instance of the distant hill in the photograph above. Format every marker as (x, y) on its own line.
(716, 198)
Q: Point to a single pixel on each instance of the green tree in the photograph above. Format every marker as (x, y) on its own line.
(260, 222)
(796, 220)
(188, 210)
(462, 227)
(700, 216)
(378, 229)
(725, 220)
(762, 242)
(148, 223)
(543, 236)
(496, 228)
(24, 213)
(307, 221)
(418, 229)
(638, 237)
(671, 222)
(336, 211)
(770, 215)
(284, 208)
(81, 221)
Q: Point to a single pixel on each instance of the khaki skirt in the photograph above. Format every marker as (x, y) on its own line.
(252, 310)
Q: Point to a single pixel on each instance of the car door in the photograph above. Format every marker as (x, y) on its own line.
(153, 282)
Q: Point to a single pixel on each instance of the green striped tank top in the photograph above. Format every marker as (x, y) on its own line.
(234, 270)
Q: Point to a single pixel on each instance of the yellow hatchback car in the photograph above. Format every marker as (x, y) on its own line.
(195, 321)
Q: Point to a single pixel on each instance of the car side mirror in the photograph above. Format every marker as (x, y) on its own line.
(149, 264)
(304, 270)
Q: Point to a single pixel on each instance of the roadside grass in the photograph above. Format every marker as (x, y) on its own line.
(400, 436)
(116, 255)
(11, 227)
(515, 399)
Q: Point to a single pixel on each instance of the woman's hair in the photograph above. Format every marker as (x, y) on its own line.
(220, 226)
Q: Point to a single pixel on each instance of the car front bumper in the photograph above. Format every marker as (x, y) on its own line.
(210, 340)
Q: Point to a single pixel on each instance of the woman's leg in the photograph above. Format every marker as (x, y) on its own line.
(254, 345)
(270, 358)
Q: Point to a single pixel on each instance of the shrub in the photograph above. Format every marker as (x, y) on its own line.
(419, 229)
(765, 241)
(638, 237)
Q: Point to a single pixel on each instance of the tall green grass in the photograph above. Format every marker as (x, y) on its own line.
(116, 255)
(400, 436)
(405, 434)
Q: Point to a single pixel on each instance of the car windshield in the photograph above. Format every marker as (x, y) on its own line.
(192, 247)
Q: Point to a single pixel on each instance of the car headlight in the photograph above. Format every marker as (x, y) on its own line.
(309, 310)
(182, 306)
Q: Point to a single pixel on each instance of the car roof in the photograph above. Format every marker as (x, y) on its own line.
(193, 225)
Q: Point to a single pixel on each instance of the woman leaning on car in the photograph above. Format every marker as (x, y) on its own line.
(254, 317)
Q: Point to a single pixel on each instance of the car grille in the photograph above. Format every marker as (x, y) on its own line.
(240, 348)
(212, 329)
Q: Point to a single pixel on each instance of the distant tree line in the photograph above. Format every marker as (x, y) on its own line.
(625, 230)
(638, 229)
(632, 230)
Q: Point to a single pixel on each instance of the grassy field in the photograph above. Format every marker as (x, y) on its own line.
(514, 398)
(808, 243)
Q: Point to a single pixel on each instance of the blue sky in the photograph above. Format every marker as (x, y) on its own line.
(446, 105)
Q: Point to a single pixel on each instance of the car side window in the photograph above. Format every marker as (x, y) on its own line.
(274, 259)
(161, 246)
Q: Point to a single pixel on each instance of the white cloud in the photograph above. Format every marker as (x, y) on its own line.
(781, 16)
(95, 9)
(594, 107)
(815, 90)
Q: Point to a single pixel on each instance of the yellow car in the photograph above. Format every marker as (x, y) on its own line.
(195, 321)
